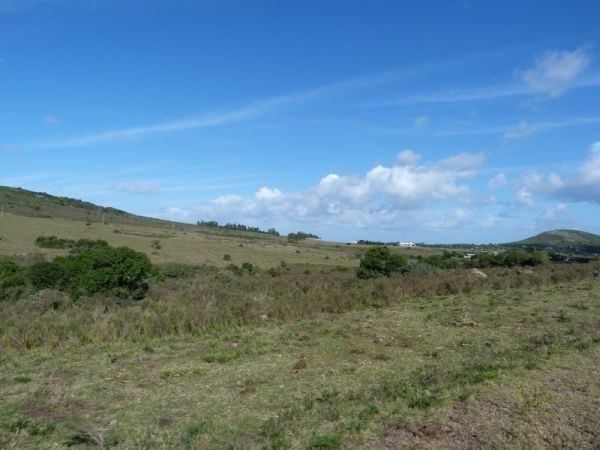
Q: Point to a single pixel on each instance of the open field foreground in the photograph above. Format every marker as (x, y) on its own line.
(509, 368)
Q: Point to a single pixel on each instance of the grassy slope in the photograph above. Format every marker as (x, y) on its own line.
(562, 238)
(39, 204)
(513, 369)
(192, 246)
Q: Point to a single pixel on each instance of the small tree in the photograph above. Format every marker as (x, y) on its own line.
(155, 246)
(379, 261)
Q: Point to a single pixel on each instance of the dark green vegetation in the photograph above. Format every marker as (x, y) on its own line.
(236, 227)
(379, 261)
(75, 246)
(91, 268)
(301, 236)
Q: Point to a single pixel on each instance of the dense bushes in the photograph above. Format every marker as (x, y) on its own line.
(119, 270)
(79, 246)
(12, 279)
(508, 258)
(301, 236)
(379, 261)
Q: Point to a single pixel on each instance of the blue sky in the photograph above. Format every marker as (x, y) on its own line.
(436, 121)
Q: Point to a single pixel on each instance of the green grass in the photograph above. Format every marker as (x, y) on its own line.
(195, 246)
(520, 378)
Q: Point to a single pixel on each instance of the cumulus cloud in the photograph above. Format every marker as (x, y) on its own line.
(383, 196)
(581, 186)
(554, 71)
(265, 193)
(407, 158)
(498, 181)
(554, 213)
(137, 187)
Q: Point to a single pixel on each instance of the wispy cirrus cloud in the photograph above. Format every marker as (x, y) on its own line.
(551, 75)
(259, 108)
(521, 130)
(554, 71)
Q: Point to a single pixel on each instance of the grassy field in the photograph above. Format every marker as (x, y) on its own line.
(191, 246)
(511, 368)
(296, 352)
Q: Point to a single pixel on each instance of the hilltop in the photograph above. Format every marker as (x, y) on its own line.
(562, 238)
(43, 205)
(574, 241)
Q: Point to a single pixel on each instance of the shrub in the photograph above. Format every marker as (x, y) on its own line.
(49, 275)
(12, 279)
(121, 270)
(80, 246)
(379, 261)
(100, 269)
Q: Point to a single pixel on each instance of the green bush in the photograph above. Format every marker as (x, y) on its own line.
(379, 261)
(121, 270)
(49, 275)
(79, 246)
(12, 279)
(100, 269)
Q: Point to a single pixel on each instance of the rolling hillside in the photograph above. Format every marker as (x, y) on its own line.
(27, 215)
(40, 204)
(570, 241)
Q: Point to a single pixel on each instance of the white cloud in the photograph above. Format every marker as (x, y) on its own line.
(521, 131)
(137, 187)
(554, 71)
(407, 158)
(265, 193)
(498, 181)
(581, 186)
(382, 197)
(491, 221)
(555, 213)
(552, 74)
(525, 197)
(421, 122)
(463, 162)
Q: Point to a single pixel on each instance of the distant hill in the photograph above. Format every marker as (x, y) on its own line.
(569, 241)
(40, 204)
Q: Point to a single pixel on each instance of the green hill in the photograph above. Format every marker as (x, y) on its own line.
(564, 238)
(40, 204)
(568, 241)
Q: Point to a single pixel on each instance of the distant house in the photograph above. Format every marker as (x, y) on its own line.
(406, 244)
(469, 255)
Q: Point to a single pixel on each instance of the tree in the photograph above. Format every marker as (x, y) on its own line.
(155, 246)
(379, 261)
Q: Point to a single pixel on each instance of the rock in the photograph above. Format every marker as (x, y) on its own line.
(301, 364)
(248, 390)
(478, 273)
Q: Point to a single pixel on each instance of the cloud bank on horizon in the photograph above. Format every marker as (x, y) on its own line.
(504, 137)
